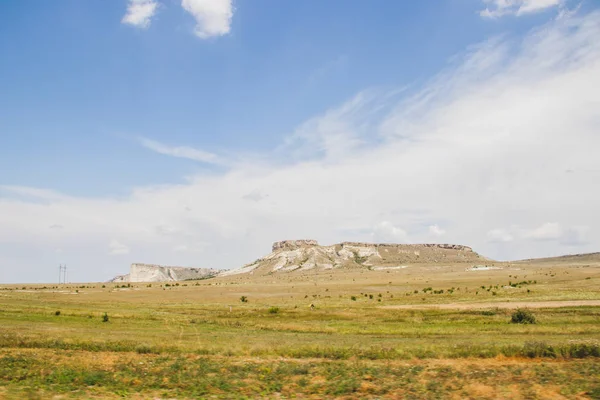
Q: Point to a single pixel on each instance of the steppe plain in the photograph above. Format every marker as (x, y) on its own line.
(427, 331)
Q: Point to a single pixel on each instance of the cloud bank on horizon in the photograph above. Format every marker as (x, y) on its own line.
(497, 152)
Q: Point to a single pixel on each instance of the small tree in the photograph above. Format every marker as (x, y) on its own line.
(244, 299)
(522, 316)
(105, 317)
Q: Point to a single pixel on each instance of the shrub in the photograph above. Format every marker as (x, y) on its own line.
(244, 299)
(105, 317)
(57, 313)
(353, 298)
(522, 316)
(143, 349)
(273, 310)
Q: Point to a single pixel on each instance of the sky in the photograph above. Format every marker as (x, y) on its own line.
(197, 132)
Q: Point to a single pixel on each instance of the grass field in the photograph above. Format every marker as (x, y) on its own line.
(372, 334)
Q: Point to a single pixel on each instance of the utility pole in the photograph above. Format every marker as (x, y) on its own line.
(62, 274)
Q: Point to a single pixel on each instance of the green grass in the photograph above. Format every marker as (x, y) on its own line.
(26, 374)
(200, 340)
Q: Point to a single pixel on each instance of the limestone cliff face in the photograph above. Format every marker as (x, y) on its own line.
(293, 244)
(160, 273)
(302, 255)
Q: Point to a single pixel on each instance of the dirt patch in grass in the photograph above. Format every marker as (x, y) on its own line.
(503, 305)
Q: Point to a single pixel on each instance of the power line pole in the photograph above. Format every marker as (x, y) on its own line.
(62, 274)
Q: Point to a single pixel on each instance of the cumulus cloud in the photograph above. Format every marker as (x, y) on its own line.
(484, 144)
(499, 8)
(547, 231)
(116, 248)
(436, 230)
(140, 13)
(385, 231)
(213, 17)
(181, 151)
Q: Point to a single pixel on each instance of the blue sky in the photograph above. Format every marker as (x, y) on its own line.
(163, 105)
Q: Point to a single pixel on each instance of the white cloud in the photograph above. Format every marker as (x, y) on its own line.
(484, 144)
(385, 231)
(116, 248)
(181, 151)
(140, 13)
(499, 236)
(213, 17)
(547, 231)
(499, 8)
(436, 230)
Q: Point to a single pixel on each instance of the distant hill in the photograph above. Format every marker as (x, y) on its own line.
(585, 258)
(302, 255)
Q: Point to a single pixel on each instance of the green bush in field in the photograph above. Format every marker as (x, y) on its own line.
(273, 310)
(353, 298)
(105, 317)
(57, 313)
(522, 316)
(244, 299)
(143, 349)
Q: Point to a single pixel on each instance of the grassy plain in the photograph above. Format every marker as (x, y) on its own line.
(372, 334)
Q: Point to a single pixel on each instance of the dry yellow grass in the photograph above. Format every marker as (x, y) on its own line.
(198, 339)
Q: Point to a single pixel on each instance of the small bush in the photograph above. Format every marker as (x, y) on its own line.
(143, 349)
(522, 316)
(57, 313)
(353, 298)
(273, 310)
(244, 299)
(105, 317)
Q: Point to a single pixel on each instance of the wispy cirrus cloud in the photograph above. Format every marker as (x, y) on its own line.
(483, 147)
(499, 8)
(181, 151)
(140, 12)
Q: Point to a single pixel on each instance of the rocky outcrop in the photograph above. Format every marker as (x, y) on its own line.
(293, 244)
(302, 255)
(161, 273)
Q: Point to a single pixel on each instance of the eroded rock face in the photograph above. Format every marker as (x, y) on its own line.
(293, 244)
(161, 273)
(406, 246)
(302, 255)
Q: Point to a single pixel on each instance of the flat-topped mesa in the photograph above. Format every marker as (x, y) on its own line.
(290, 256)
(415, 246)
(294, 244)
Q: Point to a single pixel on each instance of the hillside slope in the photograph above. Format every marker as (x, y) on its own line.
(303, 255)
(585, 258)
(160, 273)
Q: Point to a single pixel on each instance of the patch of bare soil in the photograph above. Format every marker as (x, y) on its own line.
(504, 305)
